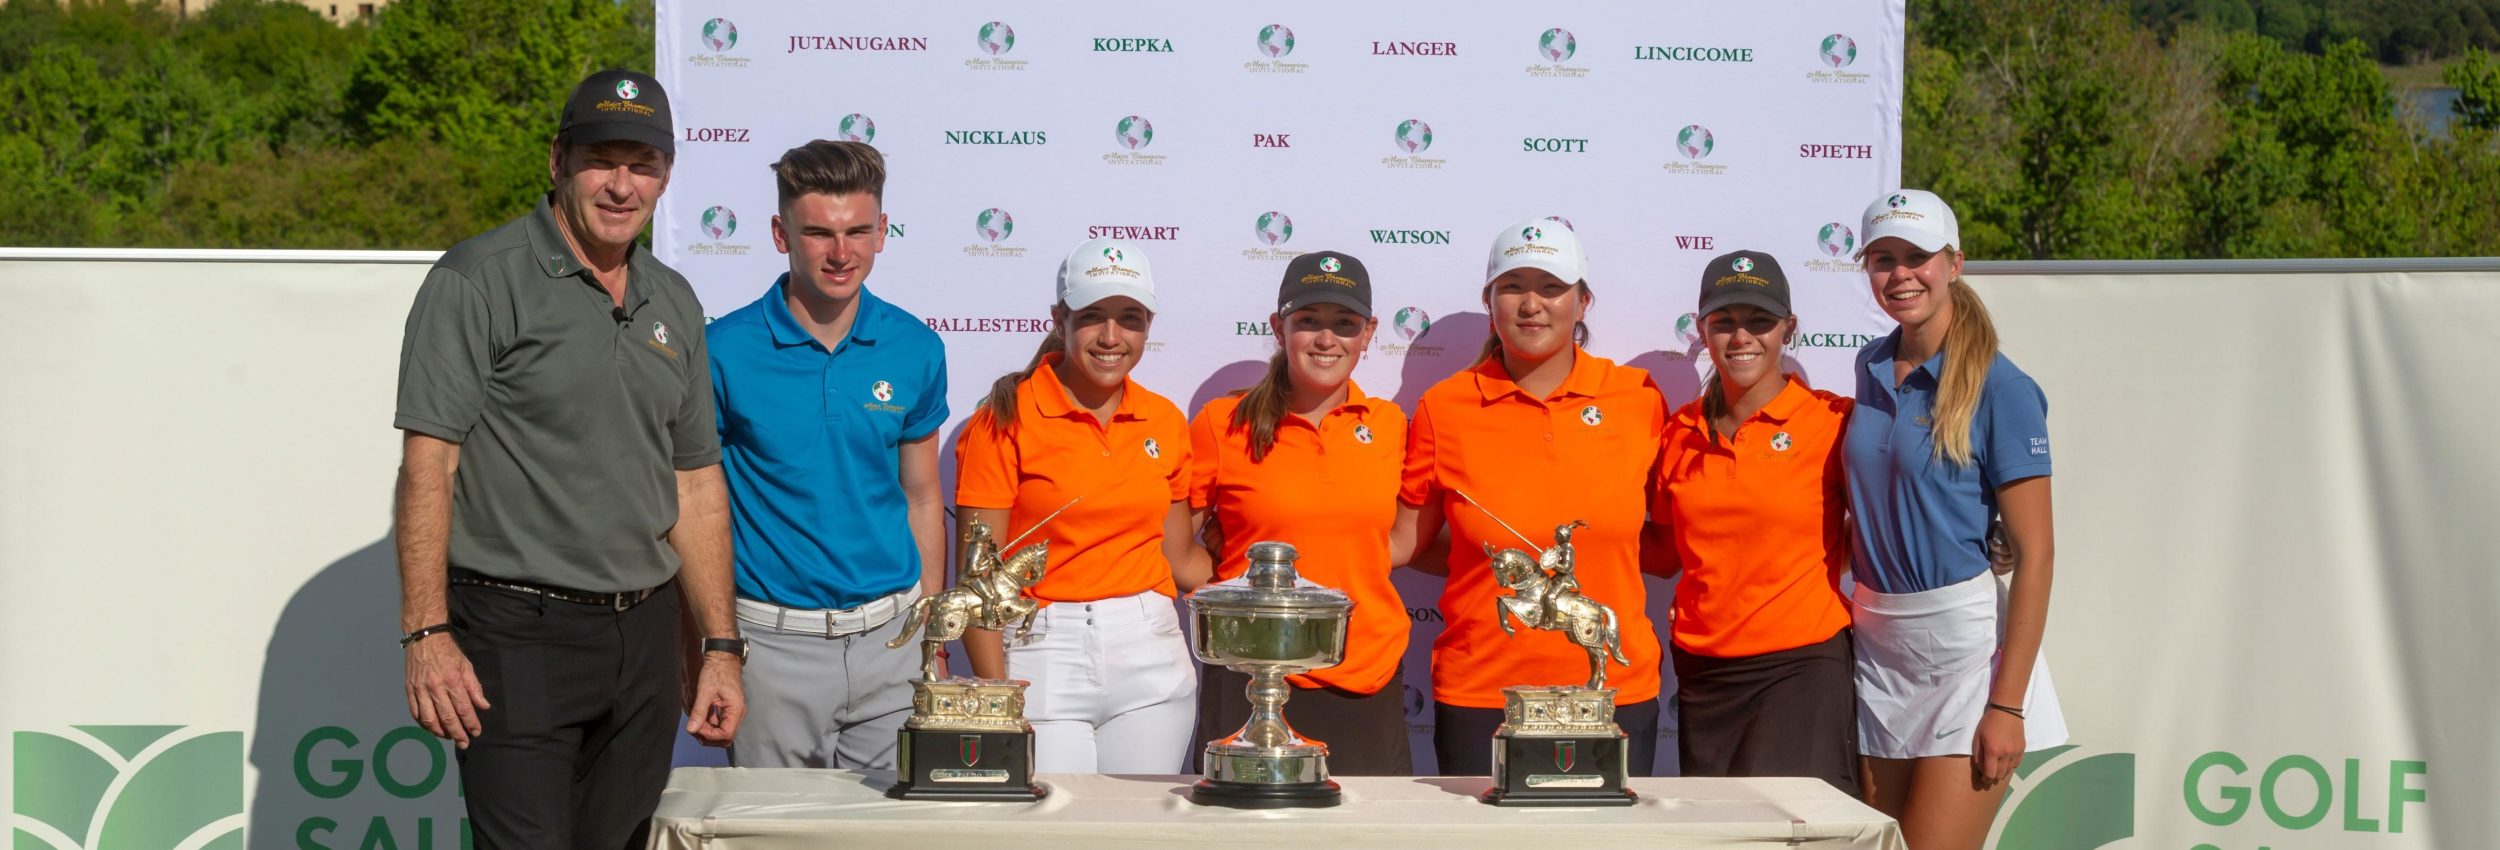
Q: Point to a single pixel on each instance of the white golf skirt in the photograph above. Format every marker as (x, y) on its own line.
(1926, 661)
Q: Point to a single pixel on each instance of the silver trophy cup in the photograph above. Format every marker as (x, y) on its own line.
(1269, 629)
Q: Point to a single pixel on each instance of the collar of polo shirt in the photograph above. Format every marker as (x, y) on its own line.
(1051, 399)
(1782, 408)
(1494, 381)
(866, 322)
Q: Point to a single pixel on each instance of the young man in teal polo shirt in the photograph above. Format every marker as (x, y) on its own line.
(830, 400)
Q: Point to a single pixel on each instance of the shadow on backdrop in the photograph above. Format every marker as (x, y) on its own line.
(1238, 375)
(1441, 348)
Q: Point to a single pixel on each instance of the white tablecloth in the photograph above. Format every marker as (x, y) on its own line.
(741, 809)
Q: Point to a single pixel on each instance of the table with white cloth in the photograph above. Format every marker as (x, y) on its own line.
(760, 809)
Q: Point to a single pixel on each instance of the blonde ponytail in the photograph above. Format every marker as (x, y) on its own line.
(1970, 345)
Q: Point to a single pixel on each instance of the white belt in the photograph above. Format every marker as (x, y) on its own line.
(848, 621)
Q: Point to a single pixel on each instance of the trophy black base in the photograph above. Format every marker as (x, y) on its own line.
(1248, 795)
(1577, 770)
(947, 764)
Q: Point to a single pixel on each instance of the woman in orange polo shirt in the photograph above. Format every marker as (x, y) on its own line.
(1539, 433)
(1114, 687)
(1750, 489)
(1306, 458)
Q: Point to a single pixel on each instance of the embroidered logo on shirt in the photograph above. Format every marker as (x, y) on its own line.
(1363, 434)
(2039, 445)
(882, 390)
(1780, 442)
(659, 332)
(1590, 415)
(1153, 450)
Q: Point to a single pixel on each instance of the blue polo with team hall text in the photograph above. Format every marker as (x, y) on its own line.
(1922, 521)
(810, 442)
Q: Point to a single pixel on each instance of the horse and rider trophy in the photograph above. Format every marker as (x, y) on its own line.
(967, 739)
(1557, 746)
(1268, 627)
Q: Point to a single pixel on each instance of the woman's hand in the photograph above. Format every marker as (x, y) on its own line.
(1996, 749)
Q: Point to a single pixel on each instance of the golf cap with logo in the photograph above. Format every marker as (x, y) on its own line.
(1325, 277)
(1102, 268)
(619, 106)
(1744, 277)
(1916, 216)
(1538, 243)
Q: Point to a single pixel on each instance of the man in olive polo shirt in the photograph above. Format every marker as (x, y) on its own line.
(560, 499)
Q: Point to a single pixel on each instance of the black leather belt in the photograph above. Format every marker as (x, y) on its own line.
(616, 601)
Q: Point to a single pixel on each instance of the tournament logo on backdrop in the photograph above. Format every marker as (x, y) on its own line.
(1694, 144)
(1557, 46)
(993, 226)
(1836, 242)
(103, 787)
(718, 36)
(1274, 44)
(1271, 229)
(996, 39)
(1133, 133)
(1837, 51)
(1688, 330)
(1566, 223)
(1410, 323)
(856, 128)
(1412, 137)
(717, 225)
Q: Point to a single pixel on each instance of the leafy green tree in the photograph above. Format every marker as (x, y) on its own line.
(486, 80)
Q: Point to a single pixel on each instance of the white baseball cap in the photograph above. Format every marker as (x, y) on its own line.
(1915, 215)
(1103, 268)
(1538, 243)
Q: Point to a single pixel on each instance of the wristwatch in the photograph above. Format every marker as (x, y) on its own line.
(733, 646)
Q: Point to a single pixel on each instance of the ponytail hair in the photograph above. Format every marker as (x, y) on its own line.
(1970, 346)
(1263, 406)
(1493, 341)
(1001, 401)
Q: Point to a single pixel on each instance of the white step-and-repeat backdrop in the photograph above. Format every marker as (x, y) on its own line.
(2272, 626)
(1225, 139)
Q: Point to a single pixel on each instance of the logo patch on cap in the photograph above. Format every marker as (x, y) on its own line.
(1590, 415)
(659, 332)
(1153, 449)
(1896, 201)
(627, 90)
(1363, 434)
(1531, 233)
(1330, 265)
(882, 391)
(1742, 264)
(1113, 255)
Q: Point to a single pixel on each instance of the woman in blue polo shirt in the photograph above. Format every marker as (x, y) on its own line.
(1947, 435)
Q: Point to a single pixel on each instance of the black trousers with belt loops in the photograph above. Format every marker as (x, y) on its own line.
(585, 706)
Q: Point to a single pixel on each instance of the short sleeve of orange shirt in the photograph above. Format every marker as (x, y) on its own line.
(1330, 489)
(1757, 521)
(1122, 477)
(1586, 452)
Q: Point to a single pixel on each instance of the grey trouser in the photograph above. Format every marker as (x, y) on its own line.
(815, 701)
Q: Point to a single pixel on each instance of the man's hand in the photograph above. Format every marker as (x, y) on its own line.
(443, 693)
(720, 701)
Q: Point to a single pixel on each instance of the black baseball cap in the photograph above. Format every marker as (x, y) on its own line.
(1744, 277)
(1325, 277)
(619, 106)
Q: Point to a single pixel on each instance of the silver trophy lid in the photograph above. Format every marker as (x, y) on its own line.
(1272, 584)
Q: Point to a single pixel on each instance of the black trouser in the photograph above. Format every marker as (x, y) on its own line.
(1788, 713)
(576, 747)
(1462, 738)
(1365, 733)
